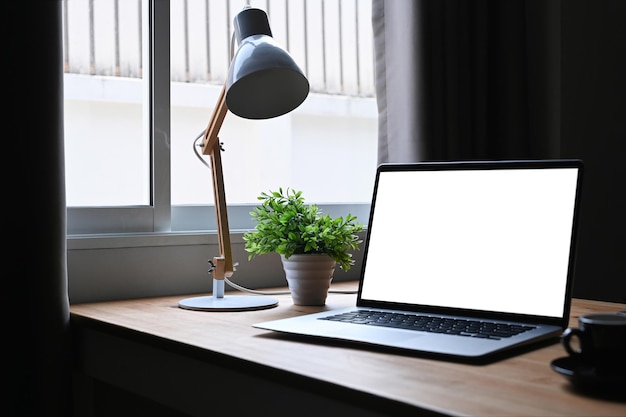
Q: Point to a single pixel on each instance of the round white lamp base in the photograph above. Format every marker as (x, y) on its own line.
(228, 303)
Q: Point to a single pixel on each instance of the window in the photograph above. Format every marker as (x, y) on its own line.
(111, 172)
(141, 80)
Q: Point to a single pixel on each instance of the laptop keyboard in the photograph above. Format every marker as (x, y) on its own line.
(433, 324)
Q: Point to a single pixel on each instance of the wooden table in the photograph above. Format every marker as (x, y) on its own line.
(211, 363)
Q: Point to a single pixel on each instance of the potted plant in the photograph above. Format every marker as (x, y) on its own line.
(309, 242)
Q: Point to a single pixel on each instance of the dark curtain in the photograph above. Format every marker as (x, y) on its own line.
(495, 79)
(37, 332)
(467, 79)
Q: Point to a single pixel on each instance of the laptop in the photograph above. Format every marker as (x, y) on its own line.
(464, 260)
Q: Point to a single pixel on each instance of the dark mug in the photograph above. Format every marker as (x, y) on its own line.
(601, 339)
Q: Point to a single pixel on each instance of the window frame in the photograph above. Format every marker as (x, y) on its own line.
(160, 216)
(155, 217)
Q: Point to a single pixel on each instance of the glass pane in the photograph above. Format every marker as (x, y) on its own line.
(331, 137)
(106, 142)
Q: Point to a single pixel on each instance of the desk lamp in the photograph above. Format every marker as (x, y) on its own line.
(263, 82)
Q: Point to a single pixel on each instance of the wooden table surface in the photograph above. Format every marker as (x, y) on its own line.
(523, 385)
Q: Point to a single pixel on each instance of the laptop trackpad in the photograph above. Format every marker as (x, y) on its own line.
(376, 335)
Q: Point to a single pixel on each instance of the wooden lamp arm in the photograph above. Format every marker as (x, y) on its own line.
(210, 140)
(222, 264)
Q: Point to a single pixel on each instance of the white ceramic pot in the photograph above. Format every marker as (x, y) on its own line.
(309, 277)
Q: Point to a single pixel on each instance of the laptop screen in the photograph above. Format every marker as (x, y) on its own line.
(476, 236)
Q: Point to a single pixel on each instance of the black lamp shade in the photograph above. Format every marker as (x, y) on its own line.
(263, 80)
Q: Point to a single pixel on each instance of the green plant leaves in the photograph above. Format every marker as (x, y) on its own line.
(287, 225)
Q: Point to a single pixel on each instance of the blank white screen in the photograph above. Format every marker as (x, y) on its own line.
(495, 240)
